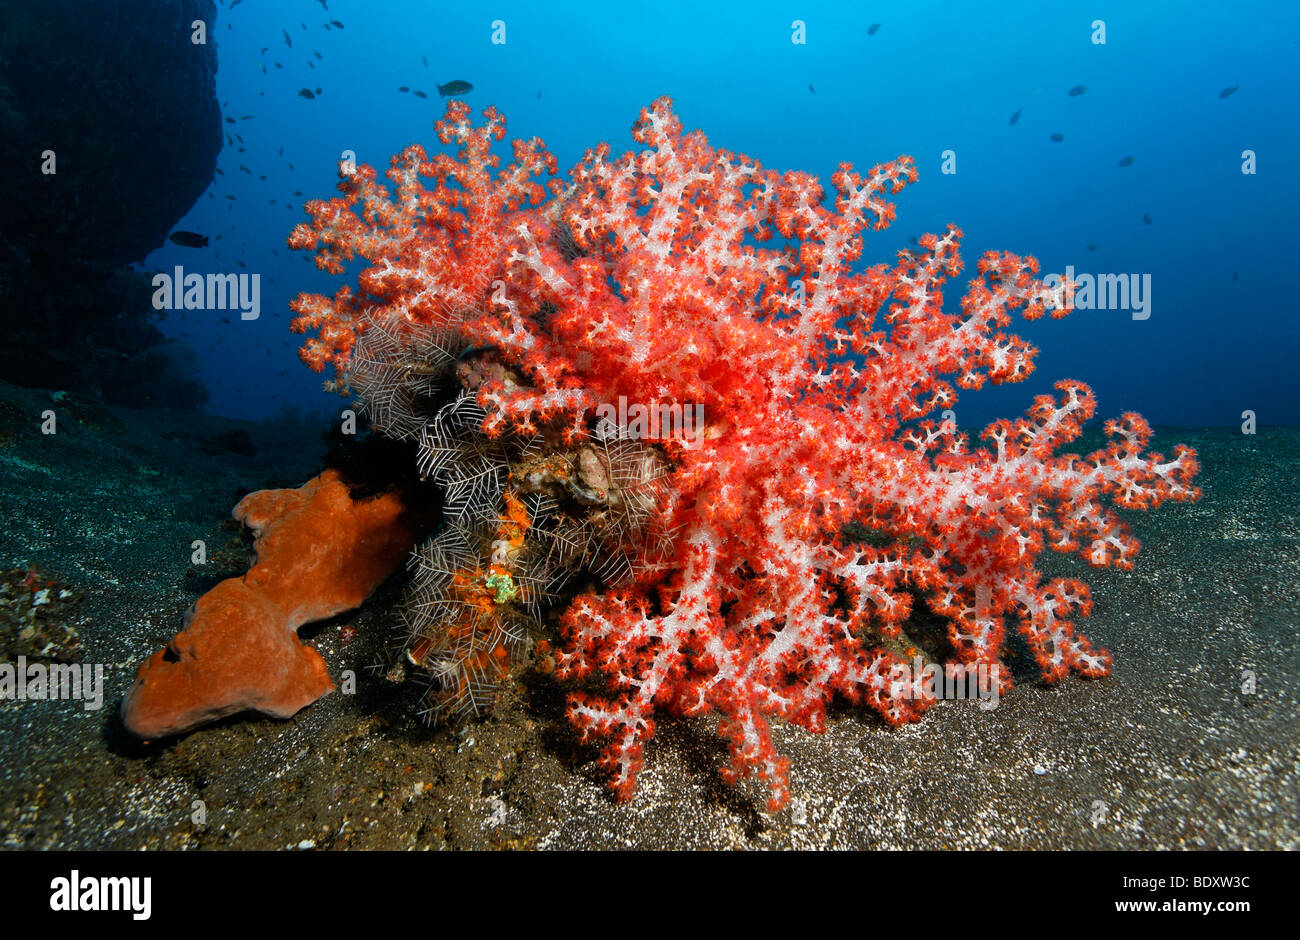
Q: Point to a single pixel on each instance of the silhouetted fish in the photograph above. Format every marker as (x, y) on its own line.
(419, 94)
(1077, 90)
(1126, 161)
(811, 88)
(1015, 117)
(403, 88)
(1146, 217)
(425, 60)
(456, 87)
(1092, 247)
(306, 93)
(189, 239)
(1229, 90)
(871, 30)
(287, 41)
(336, 24)
(1057, 138)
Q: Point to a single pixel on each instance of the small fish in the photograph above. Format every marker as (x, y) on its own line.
(456, 87)
(318, 90)
(1126, 161)
(1092, 247)
(1015, 117)
(539, 96)
(1234, 277)
(188, 239)
(282, 150)
(287, 41)
(278, 65)
(1229, 90)
(1146, 217)
(1057, 138)
(246, 117)
(419, 94)
(317, 54)
(264, 48)
(403, 88)
(811, 88)
(1077, 90)
(305, 93)
(230, 120)
(872, 29)
(425, 60)
(297, 192)
(220, 172)
(336, 24)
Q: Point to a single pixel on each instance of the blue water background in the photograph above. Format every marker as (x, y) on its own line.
(934, 77)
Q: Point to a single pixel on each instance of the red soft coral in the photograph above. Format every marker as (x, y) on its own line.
(680, 275)
(816, 381)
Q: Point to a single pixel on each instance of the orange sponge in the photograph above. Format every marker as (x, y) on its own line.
(319, 552)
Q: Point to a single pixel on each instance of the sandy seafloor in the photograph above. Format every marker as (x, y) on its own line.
(1167, 752)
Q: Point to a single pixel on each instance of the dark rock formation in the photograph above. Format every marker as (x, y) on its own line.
(127, 103)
